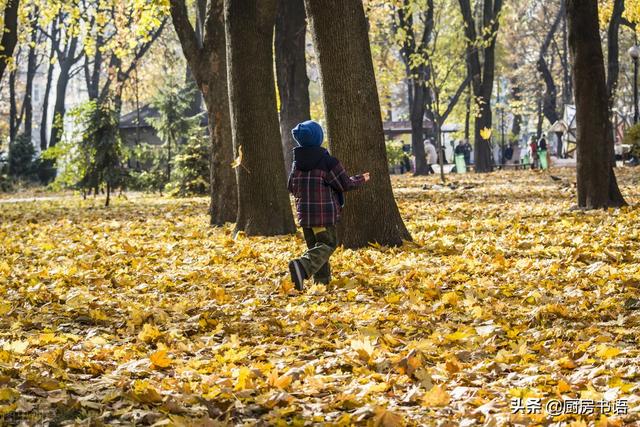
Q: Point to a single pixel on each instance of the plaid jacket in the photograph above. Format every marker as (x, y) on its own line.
(317, 182)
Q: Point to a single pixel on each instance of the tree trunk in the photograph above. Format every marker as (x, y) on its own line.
(482, 74)
(354, 121)
(47, 91)
(291, 71)
(550, 100)
(613, 53)
(417, 114)
(516, 95)
(417, 76)
(597, 186)
(13, 107)
(206, 55)
(9, 35)
(59, 109)
(31, 72)
(467, 115)
(264, 207)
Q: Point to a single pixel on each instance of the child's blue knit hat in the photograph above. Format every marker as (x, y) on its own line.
(308, 134)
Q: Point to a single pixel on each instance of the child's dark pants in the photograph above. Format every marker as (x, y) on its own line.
(322, 242)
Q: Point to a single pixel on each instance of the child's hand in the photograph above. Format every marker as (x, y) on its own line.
(366, 176)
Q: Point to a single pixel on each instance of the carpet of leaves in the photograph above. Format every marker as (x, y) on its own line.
(142, 314)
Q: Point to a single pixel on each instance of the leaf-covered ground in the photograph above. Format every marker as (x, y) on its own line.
(142, 314)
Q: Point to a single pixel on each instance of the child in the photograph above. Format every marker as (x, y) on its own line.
(317, 182)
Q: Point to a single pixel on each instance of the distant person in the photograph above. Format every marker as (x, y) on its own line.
(432, 156)
(533, 151)
(467, 152)
(542, 144)
(460, 149)
(317, 181)
(508, 154)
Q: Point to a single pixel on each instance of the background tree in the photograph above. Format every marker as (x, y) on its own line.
(264, 207)
(414, 55)
(597, 185)
(206, 56)
(291, 71)
(482, 73)
(354, 120)
(173, 124)
(9, 35)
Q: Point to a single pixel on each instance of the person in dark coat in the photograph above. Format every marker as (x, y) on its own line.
(317, 182)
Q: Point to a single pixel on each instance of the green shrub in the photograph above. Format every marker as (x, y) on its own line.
(632, 137)
(21, 157)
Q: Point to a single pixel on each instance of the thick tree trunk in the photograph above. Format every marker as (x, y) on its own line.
(291, 71)
(9, 35)
(264, 207)
(597, 186)
(206, 55)
(354, 121)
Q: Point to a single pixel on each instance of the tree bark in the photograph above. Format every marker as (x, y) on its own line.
(9, 35)
(596, 181)
(354, 121)
(482, 74)
(291, 72)
(264, 207)
(206, 55)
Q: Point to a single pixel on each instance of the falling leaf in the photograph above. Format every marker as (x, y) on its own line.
(485, 133)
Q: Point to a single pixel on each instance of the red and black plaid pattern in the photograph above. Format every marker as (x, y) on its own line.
(316, 193)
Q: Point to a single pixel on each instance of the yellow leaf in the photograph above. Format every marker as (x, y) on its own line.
(238, 161)
(160, 359)
(566, 363)
(385, 418)
(281, 382)
(364, 348)
(5, 308)
(393, 298)
(485, 133)
(437, 396)
(144, 392)
(243, 381)
(605, 352)
(149, 333)
(563, 387)
(450, 298)
(17, 347)
(8, 395)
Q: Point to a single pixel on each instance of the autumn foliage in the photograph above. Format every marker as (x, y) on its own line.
(143, 314)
